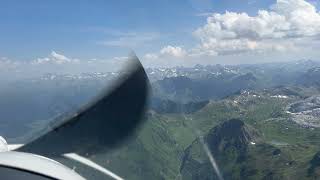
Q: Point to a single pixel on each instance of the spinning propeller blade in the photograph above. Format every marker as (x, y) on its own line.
(101, 124)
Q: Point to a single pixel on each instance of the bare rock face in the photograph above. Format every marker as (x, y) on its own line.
(314, 169)
(228, 143)
(231, 134)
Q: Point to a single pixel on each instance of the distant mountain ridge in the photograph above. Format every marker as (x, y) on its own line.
(51, 94)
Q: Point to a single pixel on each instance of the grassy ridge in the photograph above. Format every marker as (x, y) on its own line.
(165, 141)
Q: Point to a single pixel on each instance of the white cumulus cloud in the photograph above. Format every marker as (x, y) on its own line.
(167, 56)
(174, 51)
(55, 58)
(167, 52)
(287, 27)
(282, 27)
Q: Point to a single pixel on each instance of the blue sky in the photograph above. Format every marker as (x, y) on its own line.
(34, 28)
(103, 29)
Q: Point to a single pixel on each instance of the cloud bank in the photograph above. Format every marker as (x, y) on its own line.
(281, 28)
(287, 26)
(55, 58)
(58, 63)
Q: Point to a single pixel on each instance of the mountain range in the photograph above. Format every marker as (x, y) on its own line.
(258, 121)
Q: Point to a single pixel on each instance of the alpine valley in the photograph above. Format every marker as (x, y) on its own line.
(258, 121)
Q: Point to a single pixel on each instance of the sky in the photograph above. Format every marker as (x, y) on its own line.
(50, 34)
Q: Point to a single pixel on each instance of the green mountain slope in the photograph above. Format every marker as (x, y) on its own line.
(251, 135)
